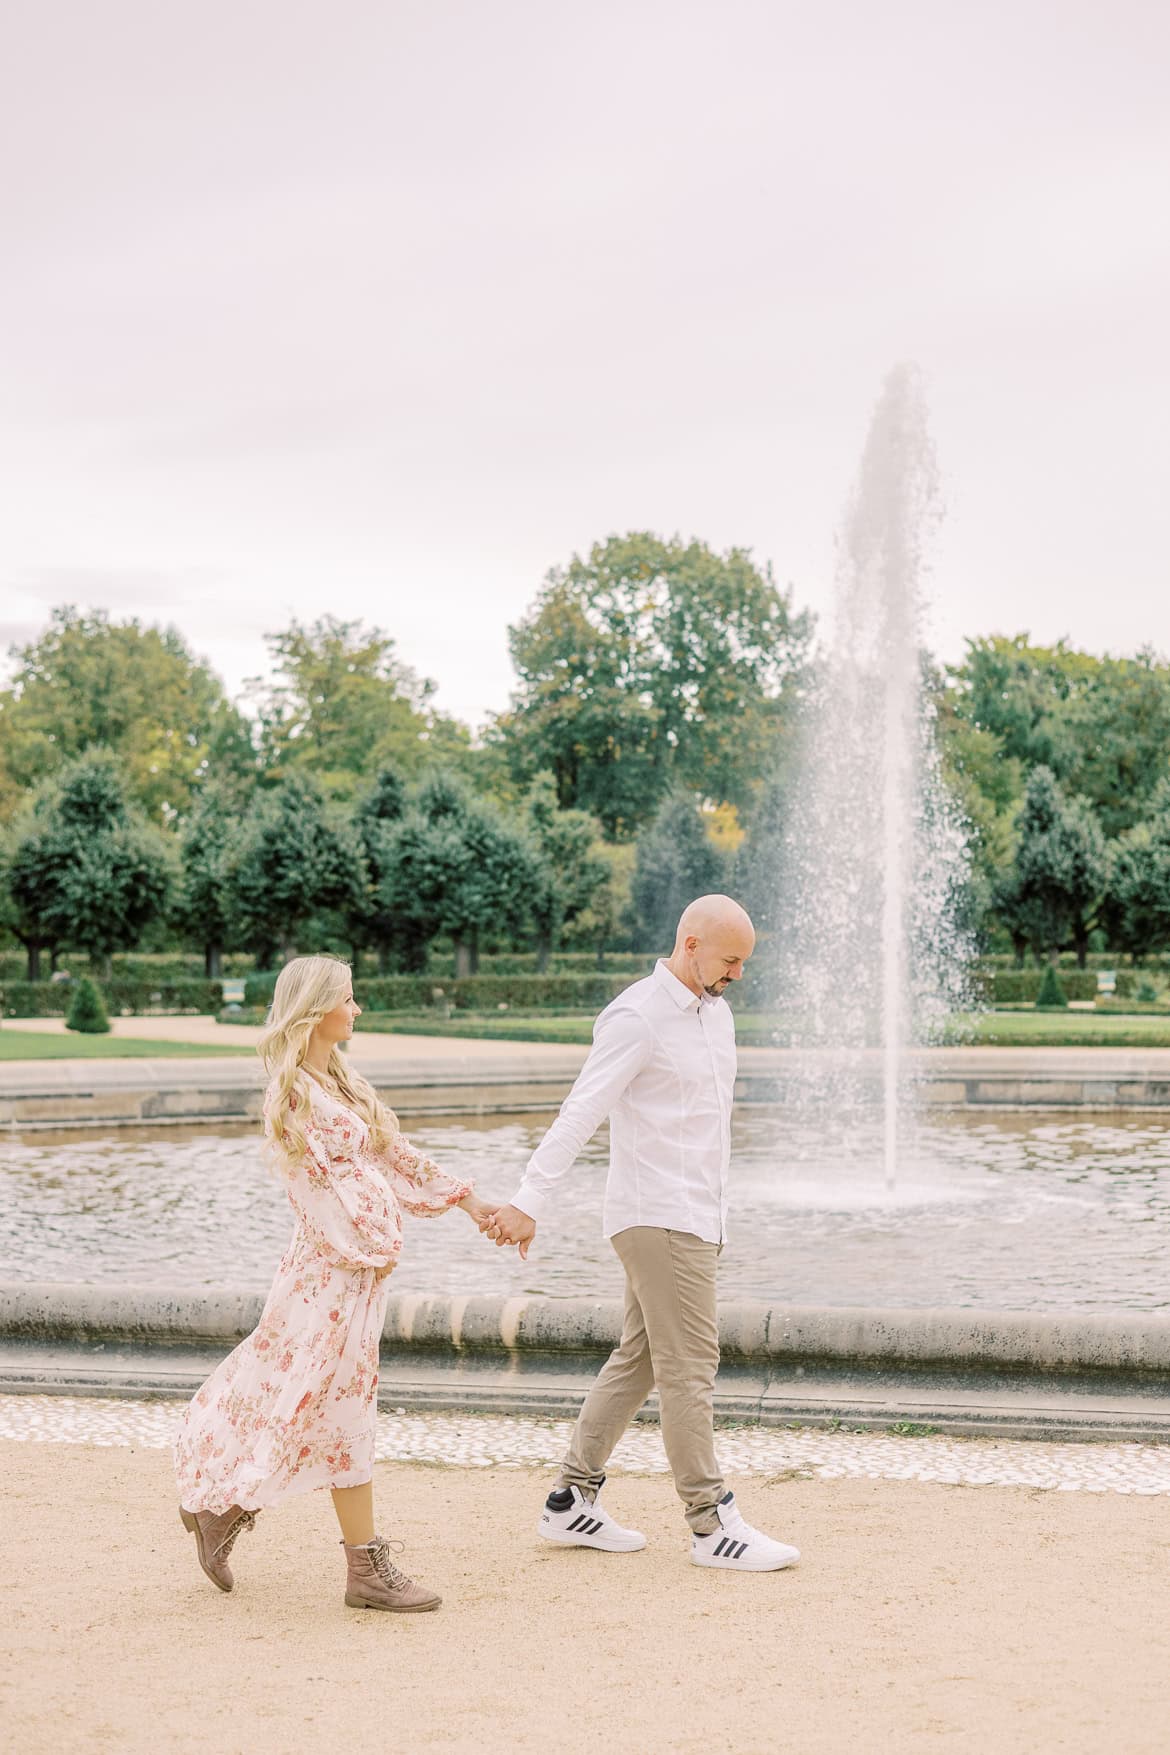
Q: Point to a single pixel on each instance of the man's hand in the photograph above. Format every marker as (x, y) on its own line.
(510, 1225)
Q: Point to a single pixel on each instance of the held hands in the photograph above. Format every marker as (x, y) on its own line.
(504, 1225)
(510, 1225)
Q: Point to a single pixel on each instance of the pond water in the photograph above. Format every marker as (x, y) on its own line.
(1005, 1211)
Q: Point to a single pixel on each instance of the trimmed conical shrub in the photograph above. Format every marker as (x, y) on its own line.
(1051, 996)
(87, 1009)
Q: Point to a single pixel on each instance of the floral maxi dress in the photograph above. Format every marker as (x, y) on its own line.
(294, 1407)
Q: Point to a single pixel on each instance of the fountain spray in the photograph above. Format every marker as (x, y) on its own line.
(871, 959)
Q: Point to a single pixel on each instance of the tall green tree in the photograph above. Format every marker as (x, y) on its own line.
(340, 705)
(604, 923)
(1053, 894)
(85, 870)
(568, 872)
(648, 665)
(759, 860)
(90, 683)
(458, 866)
(395, 938)
(293, 860)
(1138, 907)
(1100, 725)
(202, 907)
(676, 863)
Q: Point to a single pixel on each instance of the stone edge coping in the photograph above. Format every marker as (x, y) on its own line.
(1137, 1342)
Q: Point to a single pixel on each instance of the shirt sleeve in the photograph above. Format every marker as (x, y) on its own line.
(621, 1048)
(421, 1187)
(343, 1210)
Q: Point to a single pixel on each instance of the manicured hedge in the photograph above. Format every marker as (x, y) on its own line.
(441, 963)
(485, 993)
(146, 968)
(478, 993)
(50, 999)
(1022, 986)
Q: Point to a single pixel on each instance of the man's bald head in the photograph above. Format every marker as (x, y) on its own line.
(714, 940)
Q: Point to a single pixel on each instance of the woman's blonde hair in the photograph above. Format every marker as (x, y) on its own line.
(306, 989)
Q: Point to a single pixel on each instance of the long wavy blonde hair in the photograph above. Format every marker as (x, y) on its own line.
(306, 989)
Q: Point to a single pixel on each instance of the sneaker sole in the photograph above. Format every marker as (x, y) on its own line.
(599, 1542)
(722, 1565)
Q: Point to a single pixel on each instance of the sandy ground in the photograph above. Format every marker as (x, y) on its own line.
(989, 1621)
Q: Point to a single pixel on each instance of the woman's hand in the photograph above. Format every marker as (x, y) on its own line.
(478, 1211)
(387, 1268)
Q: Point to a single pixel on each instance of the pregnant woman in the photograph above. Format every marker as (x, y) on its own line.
(294, 1407)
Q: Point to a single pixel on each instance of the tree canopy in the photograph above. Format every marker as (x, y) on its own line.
(84, 870)
(340, 705)
(90, 683)
(652, 664)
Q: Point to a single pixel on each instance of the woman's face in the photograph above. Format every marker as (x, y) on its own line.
(337, 1025)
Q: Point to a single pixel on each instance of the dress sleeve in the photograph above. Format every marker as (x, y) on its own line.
(341, 1208)
(421, 1187)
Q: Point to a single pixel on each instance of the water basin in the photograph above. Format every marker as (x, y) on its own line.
(993, 1211)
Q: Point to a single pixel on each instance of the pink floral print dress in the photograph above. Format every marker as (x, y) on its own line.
(294, 1407)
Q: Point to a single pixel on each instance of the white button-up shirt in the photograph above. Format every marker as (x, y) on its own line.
(662, 1067)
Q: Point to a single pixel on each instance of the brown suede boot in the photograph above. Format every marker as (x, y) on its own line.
(374, 1582)
(215, 1537)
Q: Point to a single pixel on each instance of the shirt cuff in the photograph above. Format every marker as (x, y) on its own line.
(530, 1202)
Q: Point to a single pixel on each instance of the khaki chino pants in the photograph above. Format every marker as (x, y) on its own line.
(670, 1340)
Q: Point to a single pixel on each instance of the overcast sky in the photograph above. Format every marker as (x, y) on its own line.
(381, 309)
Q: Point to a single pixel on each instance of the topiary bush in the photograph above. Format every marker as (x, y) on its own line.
(1051, 996)
(1023, 986)
(87, 1008)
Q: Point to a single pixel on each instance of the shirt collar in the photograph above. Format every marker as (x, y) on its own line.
(681, 994)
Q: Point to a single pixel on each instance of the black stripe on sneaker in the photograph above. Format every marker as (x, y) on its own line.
(740, 1551)
(723, 1543)
(578, 1521)
(592, 1529)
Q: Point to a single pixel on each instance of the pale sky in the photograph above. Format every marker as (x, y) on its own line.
(383, 309)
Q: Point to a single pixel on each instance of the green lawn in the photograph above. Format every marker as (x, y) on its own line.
(31, 1045)
(1069, 1030)
(1025, 1029)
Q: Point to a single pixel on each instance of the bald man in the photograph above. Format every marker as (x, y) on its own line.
(662, 1068)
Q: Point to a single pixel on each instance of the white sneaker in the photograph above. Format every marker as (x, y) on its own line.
(737, 1545)
(572, 1519)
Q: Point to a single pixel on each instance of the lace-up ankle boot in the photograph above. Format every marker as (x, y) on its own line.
(215, 1535)
(374, 1582)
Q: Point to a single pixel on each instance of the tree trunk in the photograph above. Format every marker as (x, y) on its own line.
(463, 958)
(1019, 948)
(383, 957)
(1081, 945)
(287, 950)
(543, 952)
(34, 962)
(105, 965)
(474, 953)
(213, 962)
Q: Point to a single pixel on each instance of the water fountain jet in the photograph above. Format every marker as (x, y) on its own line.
(871, 958)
